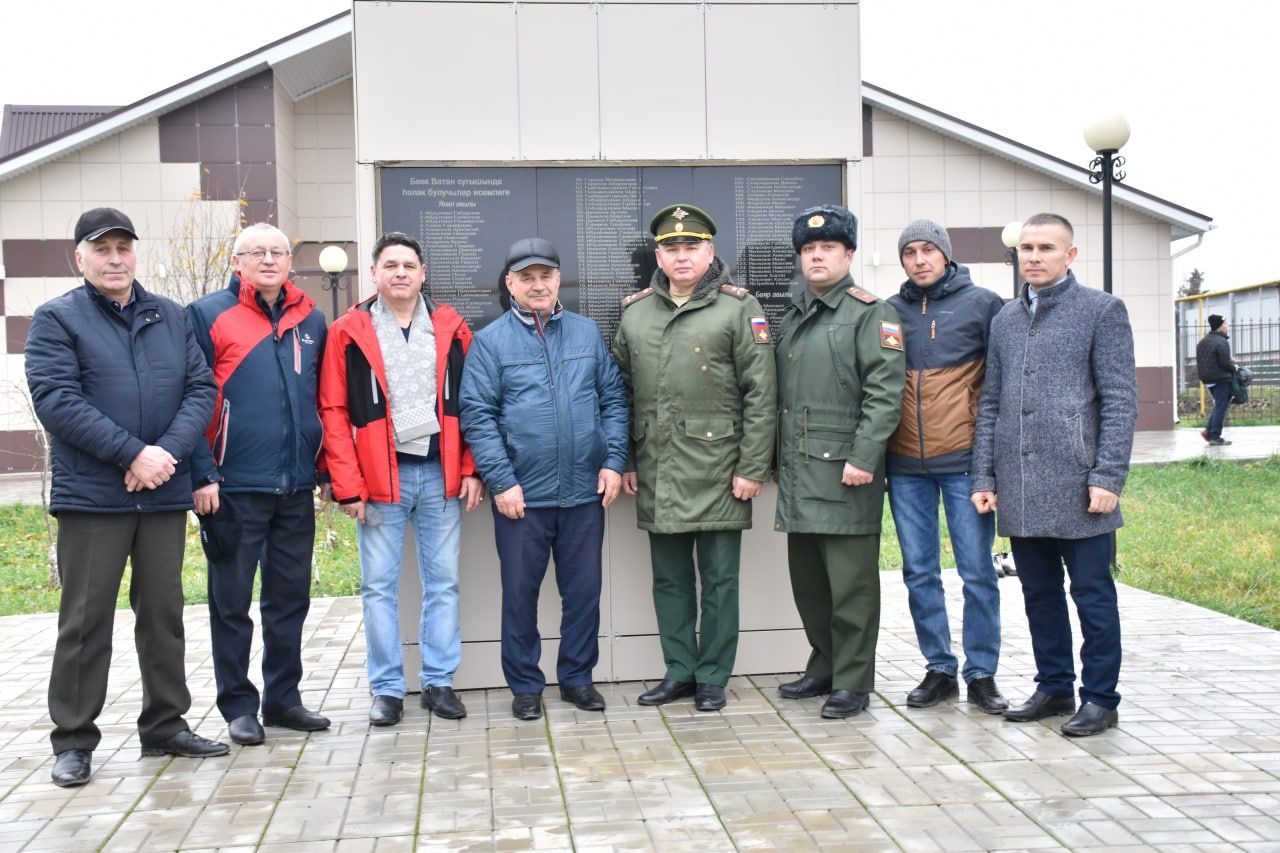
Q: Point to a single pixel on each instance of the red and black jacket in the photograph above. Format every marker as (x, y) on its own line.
(265, 433)
(360, 444)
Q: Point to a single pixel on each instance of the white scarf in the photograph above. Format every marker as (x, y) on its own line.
(411, 375)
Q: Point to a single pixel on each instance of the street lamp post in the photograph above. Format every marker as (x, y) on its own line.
(333, 260)
(1011, 235)
(1106, 136)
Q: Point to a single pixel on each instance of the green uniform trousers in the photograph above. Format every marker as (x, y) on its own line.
(704, 656)
(836, 583)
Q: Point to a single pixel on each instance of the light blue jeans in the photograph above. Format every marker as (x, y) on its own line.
(436, 528)
(914, 502)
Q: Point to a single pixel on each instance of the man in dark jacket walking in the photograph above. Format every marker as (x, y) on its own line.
(545, 414)
(118, 381)
(1215, 368)
(253, 479)
(946, 319)
(840, 373)
(1053, 439)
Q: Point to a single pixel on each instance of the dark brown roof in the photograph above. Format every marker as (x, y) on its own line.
(26, 126)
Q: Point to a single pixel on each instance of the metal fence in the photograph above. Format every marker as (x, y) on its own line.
(1255, 345)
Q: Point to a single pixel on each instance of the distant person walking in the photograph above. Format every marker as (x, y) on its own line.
(1215, 367)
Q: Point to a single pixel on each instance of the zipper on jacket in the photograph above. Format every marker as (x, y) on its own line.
(804, 440)
(924, 309)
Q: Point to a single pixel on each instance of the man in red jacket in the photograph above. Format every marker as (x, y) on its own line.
(389, 405)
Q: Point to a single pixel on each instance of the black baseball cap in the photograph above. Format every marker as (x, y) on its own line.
(92, 224)
(532, 250)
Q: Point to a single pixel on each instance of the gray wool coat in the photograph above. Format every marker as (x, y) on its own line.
(1057, 413)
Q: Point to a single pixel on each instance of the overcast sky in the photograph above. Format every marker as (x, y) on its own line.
(1199, 82)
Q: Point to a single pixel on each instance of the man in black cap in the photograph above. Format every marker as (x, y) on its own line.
(545, 414)
(840, 379)
(1215, 368)
(697, 357)
(120, 384)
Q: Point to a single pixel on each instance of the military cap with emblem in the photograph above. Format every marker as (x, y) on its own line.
(825, 222)
(682, 223)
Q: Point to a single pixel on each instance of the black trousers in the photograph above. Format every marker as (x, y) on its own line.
(1040, 564)
(92, 550)
(278, 531)
(575, 536)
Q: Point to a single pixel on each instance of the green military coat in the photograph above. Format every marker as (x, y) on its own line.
(841, 370)
(703, 393)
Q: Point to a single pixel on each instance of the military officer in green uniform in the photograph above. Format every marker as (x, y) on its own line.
(697, 358)
(841, 371)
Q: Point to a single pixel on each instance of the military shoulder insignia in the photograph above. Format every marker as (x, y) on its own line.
(862, 295)
(890, 335)
(735, 291)
(760, 330)
(636, 297)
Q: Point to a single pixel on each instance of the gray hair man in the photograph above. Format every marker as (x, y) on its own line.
(119, 383)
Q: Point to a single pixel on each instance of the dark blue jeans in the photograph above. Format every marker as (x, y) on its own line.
(574, 535)
(914, 500)
(1088, 564)
(1221, 392)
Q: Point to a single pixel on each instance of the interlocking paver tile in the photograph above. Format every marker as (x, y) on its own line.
(1059, 777)
(1194, 764)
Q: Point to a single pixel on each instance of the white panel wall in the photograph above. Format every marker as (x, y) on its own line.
(614, 81)
(436, 81)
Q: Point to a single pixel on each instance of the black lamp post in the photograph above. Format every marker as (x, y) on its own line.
(333, 260)
(1106, 136)
(1011, 235)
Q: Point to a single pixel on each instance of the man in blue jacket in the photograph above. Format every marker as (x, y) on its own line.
(946, 320)
(544, 411)
(252, 479)
(119, 383)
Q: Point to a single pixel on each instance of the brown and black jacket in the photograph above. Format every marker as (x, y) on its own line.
(945, 328)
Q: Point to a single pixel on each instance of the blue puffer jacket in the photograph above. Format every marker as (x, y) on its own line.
(105, 388)
(543, 406)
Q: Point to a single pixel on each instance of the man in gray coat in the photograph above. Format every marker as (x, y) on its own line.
(1054, 434)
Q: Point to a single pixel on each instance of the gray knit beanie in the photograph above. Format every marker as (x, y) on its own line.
(928, 230)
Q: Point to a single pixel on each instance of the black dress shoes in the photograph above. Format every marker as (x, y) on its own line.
(245, 730)
(297, 718)
(804, 687)
(844, 703)
(526, 706)
(1091, 719)
(386, 711)
(187, 744)
(935, 687)
(708, 697)
(984, 693)
(1039, 706)
(585, 697)
(443, 702)
(71, 768)
(667, 691)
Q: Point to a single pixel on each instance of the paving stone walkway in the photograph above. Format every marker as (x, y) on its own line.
(1194, 764)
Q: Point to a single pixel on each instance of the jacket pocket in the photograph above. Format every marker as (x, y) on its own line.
(1080, 447)
(223, 434)
(709, 429)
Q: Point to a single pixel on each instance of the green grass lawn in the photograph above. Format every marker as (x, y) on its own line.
(1202, 531)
